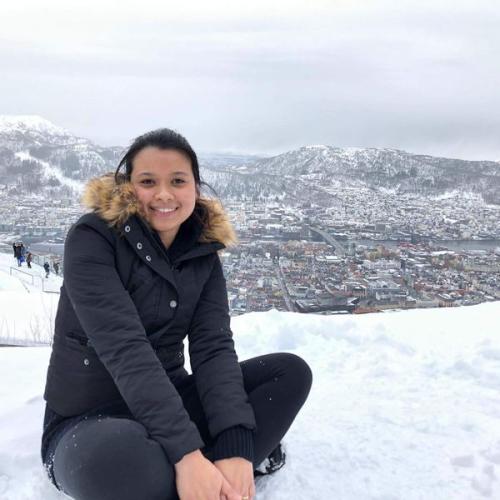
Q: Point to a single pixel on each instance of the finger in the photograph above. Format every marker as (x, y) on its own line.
(229, 491)
(249, 492)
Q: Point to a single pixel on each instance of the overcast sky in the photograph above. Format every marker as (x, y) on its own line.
(262, 76)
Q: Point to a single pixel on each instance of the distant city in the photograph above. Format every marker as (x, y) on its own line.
(429, 253)
(321, 230)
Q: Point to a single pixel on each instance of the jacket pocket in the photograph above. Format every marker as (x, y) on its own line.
(82, 357)
(77, 380)
(169, 359)
(80, 339)
(80, 346)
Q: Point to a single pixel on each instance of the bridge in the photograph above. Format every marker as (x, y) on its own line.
(339, 247)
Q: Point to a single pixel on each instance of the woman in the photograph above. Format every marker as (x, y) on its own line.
(124, 419)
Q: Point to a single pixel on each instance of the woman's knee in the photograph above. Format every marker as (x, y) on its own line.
(298, 371)
(112, 458)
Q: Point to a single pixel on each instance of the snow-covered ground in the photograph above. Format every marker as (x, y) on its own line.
(28, 302)
(404, 405)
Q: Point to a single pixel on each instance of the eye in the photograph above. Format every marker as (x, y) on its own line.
(178, 181)
(147, 182)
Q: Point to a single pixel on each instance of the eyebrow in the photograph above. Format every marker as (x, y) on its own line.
(179, 172)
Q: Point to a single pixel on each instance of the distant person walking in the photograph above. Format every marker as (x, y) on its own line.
(47, 269)
(23, 253)
(29, 258)
(56, 268)
(18, 253)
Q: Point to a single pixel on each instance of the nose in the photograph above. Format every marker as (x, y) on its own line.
(163, 193)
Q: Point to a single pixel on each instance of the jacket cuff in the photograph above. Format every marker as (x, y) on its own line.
(175, 452)
(234, 442)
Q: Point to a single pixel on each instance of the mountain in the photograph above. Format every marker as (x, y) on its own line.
(314, 174)
(38, 156)
(383, 168)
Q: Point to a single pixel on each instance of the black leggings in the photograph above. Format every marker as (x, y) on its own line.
(109, 458)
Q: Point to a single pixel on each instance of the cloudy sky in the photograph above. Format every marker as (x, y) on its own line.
(262, 76)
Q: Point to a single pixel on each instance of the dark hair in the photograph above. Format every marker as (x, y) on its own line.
(165, 138)
(162, 138)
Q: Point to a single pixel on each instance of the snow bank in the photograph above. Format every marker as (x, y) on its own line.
(404, 405)
(26, 312)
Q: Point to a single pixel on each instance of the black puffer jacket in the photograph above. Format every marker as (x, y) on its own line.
(125, 310)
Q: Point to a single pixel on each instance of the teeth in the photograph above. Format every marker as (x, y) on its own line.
(165, 210)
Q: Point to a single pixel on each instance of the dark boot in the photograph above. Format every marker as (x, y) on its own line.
(274, 462)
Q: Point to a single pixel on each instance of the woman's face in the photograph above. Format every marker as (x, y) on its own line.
(165, 187)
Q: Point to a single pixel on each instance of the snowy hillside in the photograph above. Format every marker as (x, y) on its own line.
(33, 130)
(38, 156)
(32, 146)
(404, 405)
(22, 124)
(385, 169)
(28, 302)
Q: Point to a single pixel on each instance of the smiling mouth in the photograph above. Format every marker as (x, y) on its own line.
(164, 210)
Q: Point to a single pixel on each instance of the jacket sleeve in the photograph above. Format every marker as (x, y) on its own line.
(110, 320)
(214, 362)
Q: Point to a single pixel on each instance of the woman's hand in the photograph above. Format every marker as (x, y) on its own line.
(198, 479)
(239, 474)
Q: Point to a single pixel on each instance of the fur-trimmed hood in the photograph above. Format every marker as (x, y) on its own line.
(115, 203)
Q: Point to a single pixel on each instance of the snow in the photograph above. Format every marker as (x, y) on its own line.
(23, 123)
(457, 193)
(404, 405)
(28, 302)
(52, 171)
